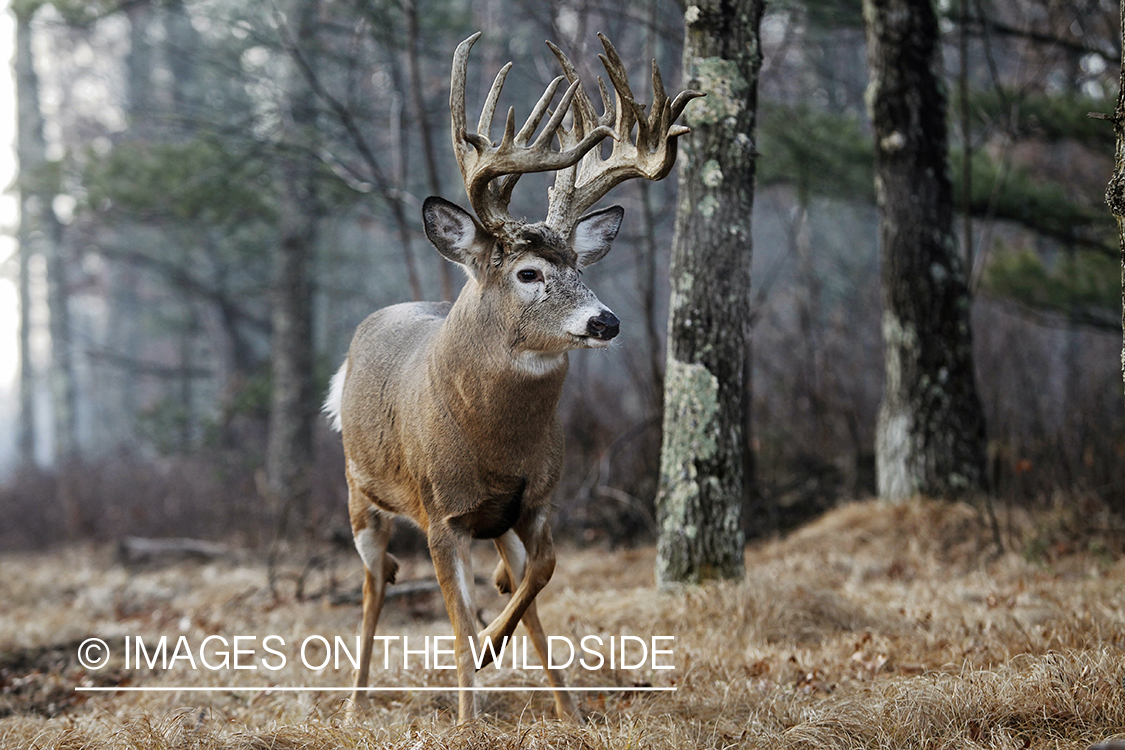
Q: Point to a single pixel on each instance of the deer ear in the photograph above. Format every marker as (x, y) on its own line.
(594, 234)
(453, 230)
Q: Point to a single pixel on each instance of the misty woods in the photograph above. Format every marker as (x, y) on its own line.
(213, 195)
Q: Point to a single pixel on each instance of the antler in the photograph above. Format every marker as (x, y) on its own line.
(651, 156)
(481, 161)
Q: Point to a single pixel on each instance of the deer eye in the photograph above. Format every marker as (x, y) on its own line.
(529, 275)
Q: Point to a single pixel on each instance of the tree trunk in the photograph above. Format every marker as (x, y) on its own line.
(125, 307)
(425, 132)
(293, 399)
(25, 436)
(182, 45)
(29, 148)
(64, 398)
(398, 189)
(138, 65)
(652, 380)
(653, 384)
(930, 437)
(40, 230)
(1115, 193)
(705, 461)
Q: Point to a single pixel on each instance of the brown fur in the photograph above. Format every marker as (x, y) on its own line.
(445, 423)
(449, 414)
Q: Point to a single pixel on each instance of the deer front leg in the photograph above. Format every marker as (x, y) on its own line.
(449, 549)
(514, 558)
(535, 534)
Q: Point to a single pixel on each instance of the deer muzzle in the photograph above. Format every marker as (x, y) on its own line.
(604, 326)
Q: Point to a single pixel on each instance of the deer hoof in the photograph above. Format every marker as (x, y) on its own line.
(390, 566)
(502, 578)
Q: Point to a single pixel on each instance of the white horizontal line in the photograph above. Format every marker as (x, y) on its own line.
(425, 688)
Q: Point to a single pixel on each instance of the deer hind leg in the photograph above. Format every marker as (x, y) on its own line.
(449, 549)
(534, 533)
(513, 558)
(372, 532)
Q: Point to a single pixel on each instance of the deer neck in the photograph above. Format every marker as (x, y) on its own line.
(492, 386)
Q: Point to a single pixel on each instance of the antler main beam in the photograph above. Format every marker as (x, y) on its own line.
(482, 162)
(651, 155)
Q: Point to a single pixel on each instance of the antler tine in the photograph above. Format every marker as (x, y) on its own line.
(484, 125)
(585, 118)
(481, 162)
(537, 113)
(680, 102)
(553, 124)
(457, 93)
(657, 122)
(650, 155)
(628, 110)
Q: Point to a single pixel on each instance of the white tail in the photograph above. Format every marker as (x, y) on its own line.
(335, 397)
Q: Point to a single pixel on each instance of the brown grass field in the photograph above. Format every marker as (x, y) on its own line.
(875, 626)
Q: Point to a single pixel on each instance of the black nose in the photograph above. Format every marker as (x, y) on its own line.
(604, 326)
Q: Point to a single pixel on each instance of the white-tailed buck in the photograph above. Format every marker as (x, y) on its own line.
(449, 412)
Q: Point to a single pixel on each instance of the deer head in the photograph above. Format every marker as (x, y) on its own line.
(535, 266)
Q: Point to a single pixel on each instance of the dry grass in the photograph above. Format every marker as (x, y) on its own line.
(873, 627)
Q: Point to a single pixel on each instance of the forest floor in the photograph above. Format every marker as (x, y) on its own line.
(874, 626)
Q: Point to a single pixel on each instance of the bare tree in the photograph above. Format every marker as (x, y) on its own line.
(706, 460)
(930, 436)
(30, 150)
(293, 399)
(422, 122)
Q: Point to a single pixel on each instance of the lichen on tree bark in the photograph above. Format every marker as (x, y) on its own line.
(706, 463)
(693, 405)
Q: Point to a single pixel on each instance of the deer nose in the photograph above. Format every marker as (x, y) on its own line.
(604, 326)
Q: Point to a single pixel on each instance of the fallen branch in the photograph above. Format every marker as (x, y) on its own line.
(133, 550)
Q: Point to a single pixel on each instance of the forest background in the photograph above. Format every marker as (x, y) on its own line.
(156, 187)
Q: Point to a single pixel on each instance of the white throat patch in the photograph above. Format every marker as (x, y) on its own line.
(538, 363)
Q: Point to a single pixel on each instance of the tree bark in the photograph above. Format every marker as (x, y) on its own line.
(706, 460)
(425, 132)
(930, 437)
(653, 380)
(1115, 192)
(125, 308)
(182, 47)
(138, 67)
(64, 396)
(29, 148)
(399, 188)
(293, 399)
(41, 231)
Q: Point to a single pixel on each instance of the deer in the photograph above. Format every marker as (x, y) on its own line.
(449, 412)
